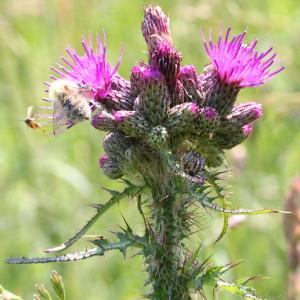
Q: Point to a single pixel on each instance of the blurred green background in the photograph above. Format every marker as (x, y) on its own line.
(47, 183)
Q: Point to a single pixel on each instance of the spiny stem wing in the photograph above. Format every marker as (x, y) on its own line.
(64, 258)
(204, 201)
(103, 245)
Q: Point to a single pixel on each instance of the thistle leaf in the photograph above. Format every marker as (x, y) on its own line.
(238, 289)
(63, 258)
(206, 202)
(130, 190)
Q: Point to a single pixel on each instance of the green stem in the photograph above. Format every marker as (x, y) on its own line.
(165, 255)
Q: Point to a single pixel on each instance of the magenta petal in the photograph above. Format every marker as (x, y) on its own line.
(239, 63)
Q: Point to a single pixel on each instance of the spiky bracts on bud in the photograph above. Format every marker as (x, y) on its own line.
(188, 78)
(116, 144)
(155, 27)
(110, 166)
(167, 60)
(120, 96)
(154, 100)
(230, 136)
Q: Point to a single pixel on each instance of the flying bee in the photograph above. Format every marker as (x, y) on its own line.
(30, 120)
(72, 103)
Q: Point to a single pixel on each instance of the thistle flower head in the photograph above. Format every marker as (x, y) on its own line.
(238, 63)
(90, 69)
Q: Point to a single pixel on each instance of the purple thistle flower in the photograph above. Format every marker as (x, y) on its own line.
(209, 113)
(91, 69)
(238, 63)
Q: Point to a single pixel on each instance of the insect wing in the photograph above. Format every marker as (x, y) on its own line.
(61, 122)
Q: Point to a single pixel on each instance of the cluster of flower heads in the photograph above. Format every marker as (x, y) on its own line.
(167, 106)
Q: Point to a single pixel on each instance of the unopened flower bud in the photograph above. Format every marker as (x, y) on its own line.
(207, 121)
(120, 96)
(132, 123)
(192, 163)
(43, 292)
(189, 80)
(58, 285)
(136, 78)
(182, 117)
(157, 136)
(155, 27)
(154, 99)
(116, 144)
(110, 167)
(103, 121)
(166, 59)
(230, 136)
(245, 113)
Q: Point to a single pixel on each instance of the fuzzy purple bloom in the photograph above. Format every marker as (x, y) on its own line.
(150, 74)
(238, 63)
(91, 69)
(188, 72)
(209, 113)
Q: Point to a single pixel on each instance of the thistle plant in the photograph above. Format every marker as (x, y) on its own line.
(167, 129)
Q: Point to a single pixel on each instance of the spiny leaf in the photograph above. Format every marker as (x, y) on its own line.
(104, 245)
(131, 190)
(64, 258)
(206, 203)
(238, 289)
(126, 239)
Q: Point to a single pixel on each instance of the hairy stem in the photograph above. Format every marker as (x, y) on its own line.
(165, 256)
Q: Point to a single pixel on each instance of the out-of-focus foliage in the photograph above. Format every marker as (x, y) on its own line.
(47, 183)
